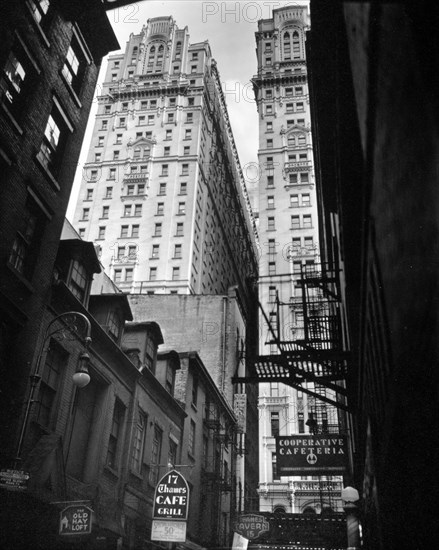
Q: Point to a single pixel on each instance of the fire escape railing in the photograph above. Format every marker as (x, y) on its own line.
(313, 360)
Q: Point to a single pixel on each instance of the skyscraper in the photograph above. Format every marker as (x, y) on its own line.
(288, 234)
(163, 191)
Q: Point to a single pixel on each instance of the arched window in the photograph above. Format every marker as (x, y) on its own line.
(296, 45)
(137, 152)
(291, 140)
(287, 46)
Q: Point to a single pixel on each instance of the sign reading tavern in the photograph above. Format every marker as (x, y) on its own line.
(311, 454)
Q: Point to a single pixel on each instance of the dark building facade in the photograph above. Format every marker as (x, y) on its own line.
(49, 59)
(374, 97)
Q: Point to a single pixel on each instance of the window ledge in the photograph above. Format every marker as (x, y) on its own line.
(47, 173)
(20, 277)
(12, 119)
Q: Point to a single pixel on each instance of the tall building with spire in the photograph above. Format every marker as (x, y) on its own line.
(288, 234)
(163, 192)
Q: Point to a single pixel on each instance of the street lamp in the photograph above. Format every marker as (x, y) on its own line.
(350, 496)
(74, 322)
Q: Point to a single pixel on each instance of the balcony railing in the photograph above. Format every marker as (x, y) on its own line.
(141, 177)
(298, 166)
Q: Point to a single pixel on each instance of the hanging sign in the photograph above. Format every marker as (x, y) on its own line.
(171, 506)
(311, 454)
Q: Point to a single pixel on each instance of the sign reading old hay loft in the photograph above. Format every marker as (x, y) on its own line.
(311, 454)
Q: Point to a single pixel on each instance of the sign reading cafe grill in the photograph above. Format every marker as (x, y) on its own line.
(311, 454)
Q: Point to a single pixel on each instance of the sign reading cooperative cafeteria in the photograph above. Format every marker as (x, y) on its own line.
(311, 454)
(171, 504)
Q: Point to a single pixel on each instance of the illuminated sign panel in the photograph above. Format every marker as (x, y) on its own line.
(311, 454)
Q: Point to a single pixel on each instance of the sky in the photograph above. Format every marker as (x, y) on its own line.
(230, 29)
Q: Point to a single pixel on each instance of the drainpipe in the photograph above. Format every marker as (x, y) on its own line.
(223, 371)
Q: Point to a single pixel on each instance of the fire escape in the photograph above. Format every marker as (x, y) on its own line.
(310, 355)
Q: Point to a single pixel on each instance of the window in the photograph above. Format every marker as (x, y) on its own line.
(288, 92)
(160, 208)
(297, 267)
(114, 324)
(166, 151)
(190, 117)
(187, 133)
(105, 212)
(152, 273)
(186, 151)
(127, 210)
(137, 209)
(54, 139)
(129, 273)
(124, 231)
(155, 251)
(306, 199)
(17, 81)
(156, 452)
(165, 170)
(304, 178)
(175, 273)
(309, 243)
(85, 214)
(56, 361)
(115, 434)
(168, 134)
(112, 174)
(274, 422)
(139, 443)
(300, 106)
(158, 230)
(150, 120)
(181, 207)
(98, 157)
(141, 121)
(78, 280)
(39, 9)
(24, 252)
(122, 122)
(271, 247)
(272, 294)
(162, 188)
(270, 181)
(185, 169)
(190, 101)
(269, 143)
(191, 441)
(75, 64)
(135, 231)
(295, 222)
(292, 178)
(294, 200)
(270, 223)
(269, 109)
(269, 127)
(108, 192)
(104, 125)
(270, 202)
(100, 142)
(268, 60)
(272, 268)
(177, 251)
(179, 231)
(172, 454)
(89, 195)
(307, 221)
(101, 233)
